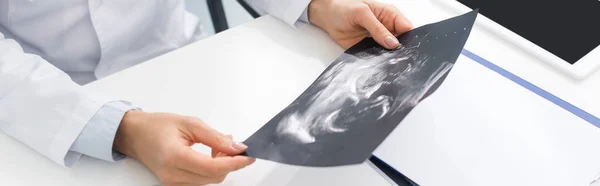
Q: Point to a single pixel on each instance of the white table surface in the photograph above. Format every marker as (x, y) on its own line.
(237, 80)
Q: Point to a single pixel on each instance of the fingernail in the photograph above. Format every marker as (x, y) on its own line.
(239, 146)
(391, 41)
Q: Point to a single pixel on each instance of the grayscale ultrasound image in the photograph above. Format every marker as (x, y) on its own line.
(361, 97)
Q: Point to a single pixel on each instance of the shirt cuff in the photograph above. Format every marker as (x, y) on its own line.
(304, 16)
(298, 19)
(96, 139)
(289, 11)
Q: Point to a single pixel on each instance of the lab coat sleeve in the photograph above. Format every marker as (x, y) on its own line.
(289, 11)
(40, 106)
(96, 139)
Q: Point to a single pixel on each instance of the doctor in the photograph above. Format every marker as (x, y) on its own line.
(48, 49)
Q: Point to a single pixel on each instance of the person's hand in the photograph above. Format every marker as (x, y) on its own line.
(349, 21)
(162, 143)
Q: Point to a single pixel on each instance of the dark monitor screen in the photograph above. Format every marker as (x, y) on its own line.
(570, 29)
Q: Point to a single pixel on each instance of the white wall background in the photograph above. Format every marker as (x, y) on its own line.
(235, 13)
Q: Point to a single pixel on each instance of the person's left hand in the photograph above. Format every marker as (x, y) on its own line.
(349, 21)
(161, 141)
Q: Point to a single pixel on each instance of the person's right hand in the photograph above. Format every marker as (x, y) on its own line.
(349, 21)
(162, 143)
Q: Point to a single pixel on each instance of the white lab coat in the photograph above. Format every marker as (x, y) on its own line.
(39, 103)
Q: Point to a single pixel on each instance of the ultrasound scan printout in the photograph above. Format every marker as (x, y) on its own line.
(361, 97)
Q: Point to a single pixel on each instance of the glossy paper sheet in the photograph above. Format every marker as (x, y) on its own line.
(361, 97)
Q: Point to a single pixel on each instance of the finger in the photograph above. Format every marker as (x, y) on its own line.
(210, 137)
(196, 179)
(401, 23)
(214, 180)
(378, 31)
(183, 177)
(203, 165)
(201, 180)
(230, 163)
(215, 153)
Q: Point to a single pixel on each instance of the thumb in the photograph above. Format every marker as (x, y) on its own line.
(217, 141)
(380, 33)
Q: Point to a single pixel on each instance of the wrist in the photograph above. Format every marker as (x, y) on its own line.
(123, 142)
(315, 7)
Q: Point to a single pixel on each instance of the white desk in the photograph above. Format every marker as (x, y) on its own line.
(237, 80)
(581, 94)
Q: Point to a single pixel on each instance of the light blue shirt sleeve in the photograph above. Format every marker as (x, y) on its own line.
(304, 16)
(96, 139)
